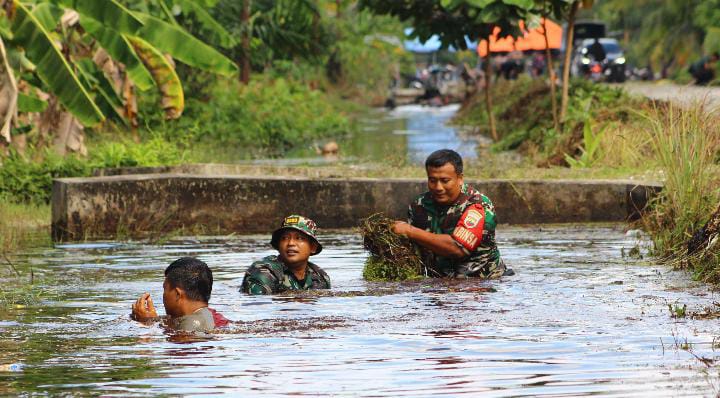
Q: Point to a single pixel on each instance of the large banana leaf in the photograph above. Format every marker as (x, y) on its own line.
(120, 49)
(107, 99)
(5, 31)
(110, 13)
(218, 34)
(29, 103)
(173, 99)
(48, 14)
(183, 46)
(52, 68)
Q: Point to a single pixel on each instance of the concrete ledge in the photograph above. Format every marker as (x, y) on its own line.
(134, 205)
(295, 168)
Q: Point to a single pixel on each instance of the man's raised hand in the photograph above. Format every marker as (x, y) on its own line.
(143, 309)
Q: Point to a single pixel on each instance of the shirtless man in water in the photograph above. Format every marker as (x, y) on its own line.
(186, 293)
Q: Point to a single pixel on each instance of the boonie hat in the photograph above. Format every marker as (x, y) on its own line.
(300, 223)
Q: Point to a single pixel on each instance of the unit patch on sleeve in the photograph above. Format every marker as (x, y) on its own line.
(469, 229)
(472, 218)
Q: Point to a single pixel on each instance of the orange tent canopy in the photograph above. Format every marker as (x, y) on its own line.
(533, 39)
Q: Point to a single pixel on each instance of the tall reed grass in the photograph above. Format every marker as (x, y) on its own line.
(686, 145)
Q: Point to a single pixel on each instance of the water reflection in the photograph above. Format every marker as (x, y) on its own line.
(407, 134)
(562, 326)
(427, 130)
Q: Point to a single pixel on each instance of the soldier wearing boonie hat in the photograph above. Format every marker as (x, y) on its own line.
(290, 269)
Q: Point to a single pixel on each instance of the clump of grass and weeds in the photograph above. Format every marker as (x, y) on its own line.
(686, 143)
(392, 257)
(677, 310)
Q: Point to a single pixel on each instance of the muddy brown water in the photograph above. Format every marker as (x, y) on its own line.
(578, 319)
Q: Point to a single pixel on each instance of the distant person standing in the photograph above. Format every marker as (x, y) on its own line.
(538, 64)
(704, 70)
(597, 51)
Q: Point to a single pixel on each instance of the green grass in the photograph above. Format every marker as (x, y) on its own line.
(686, 143)
(523, 111)
(22, 225)
(268, 117)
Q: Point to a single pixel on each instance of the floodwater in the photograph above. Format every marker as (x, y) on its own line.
(578, 319)
(405, 135)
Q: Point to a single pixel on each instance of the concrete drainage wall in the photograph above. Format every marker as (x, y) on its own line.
(137, 205)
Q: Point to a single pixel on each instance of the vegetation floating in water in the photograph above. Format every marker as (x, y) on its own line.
(392, 257)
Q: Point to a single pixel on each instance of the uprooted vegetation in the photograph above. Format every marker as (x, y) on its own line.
(392, 257)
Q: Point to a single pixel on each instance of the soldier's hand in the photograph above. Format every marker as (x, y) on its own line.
(143, 309)
(401, 228)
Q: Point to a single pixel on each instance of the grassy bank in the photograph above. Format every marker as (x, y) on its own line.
(686, 144)
(22, 225)
(610, 134)
(266, 118)
(607, 116)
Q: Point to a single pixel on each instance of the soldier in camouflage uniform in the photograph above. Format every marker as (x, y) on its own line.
(295, 242)
(453, 223)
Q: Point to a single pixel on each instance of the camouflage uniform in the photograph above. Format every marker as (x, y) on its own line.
(270, 276)
(471, 223)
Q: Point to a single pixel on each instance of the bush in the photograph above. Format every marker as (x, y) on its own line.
(154, 152)
(266, 116)
(26, 181)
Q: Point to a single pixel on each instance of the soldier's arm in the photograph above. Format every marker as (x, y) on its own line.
(440, 244)
(257, 282)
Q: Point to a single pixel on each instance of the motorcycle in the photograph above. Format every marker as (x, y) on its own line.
(607, 70)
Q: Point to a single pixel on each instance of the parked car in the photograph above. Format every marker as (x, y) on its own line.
(613, 65)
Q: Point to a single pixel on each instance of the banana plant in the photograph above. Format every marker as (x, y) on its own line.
(8, 94)
(46, 32)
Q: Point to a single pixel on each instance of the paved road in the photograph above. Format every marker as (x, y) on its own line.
(682, 94)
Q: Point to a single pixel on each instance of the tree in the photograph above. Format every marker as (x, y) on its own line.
(455, 21)
(664, 34)
(8, 94)
(556, 9)
(564, 10)
(91, 54)
(569, 35)
(274, 30)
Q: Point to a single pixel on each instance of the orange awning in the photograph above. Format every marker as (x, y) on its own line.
(533, 39)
